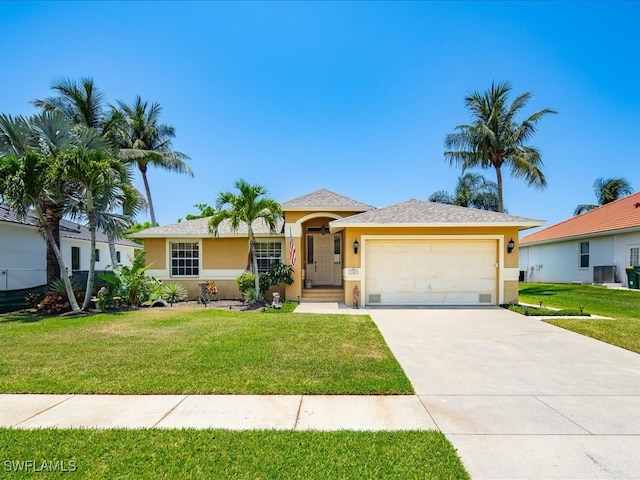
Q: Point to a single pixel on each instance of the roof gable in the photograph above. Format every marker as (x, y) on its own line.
(420, 213)
(325, 200)
(623, 214)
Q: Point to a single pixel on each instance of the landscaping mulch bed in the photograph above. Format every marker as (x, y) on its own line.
(237, 305)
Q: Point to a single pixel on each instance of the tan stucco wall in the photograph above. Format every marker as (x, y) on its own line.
(222, 253)
(155, 253)
(511, 292)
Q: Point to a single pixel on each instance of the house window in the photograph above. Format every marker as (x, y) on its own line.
(75, 258)
(584, 254)
(337, 246)
(117, 256)
(97, 254)
(268, 253)
(309, 249)
(185, 259)
(634, 256)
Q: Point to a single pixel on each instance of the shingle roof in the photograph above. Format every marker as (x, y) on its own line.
(200, 228)
(325, 200)
(623, 214)
(7, 215)
(420, 213)
(68, 229)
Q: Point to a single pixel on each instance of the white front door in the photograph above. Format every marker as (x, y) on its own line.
(320, 259)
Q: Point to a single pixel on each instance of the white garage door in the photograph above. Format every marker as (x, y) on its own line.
(421, 272)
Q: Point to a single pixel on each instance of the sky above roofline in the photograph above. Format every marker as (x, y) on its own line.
(355, 97)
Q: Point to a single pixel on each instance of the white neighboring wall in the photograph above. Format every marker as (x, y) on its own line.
(23, 257)
(126, 253)
(559, 262)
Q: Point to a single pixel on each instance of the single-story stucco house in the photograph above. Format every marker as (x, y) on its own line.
(411, 253)
(23, 252)
(594, 247)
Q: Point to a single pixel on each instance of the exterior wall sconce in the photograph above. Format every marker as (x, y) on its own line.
(356, 245)
(510, 246)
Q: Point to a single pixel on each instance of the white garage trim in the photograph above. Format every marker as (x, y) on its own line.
(500, 273)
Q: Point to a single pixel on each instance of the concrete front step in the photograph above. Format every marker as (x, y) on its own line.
(322, 295)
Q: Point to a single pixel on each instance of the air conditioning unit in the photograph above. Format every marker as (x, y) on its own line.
(604, 274)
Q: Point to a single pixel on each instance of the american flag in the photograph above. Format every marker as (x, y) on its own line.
(292, 250)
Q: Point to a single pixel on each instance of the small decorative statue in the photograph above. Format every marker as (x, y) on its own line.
(276, 301)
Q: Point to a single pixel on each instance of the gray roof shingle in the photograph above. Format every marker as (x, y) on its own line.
(68, 229)
(421, 213)
(325, 200)
(200, 228)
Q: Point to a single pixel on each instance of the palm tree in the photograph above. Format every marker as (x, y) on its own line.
(495, 138)
(27, 182)
(84, 106)
(144, 141)
(82, 103)
(245, 208)
(100, 180)
(48, 134)
(607, 190)
(472, 190)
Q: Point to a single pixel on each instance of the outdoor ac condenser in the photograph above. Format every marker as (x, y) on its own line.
(604, 274)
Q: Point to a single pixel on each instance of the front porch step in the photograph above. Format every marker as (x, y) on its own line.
(322, 295)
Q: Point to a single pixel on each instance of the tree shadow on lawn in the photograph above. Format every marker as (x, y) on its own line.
(544, 290)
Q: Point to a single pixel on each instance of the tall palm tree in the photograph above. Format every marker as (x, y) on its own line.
(249, 205)
(100, 181)
(48, 134)
(144, 141)
(494, 138)
(80, 102)
(84, 106)
(607, 190)
(26, 182)
(473, 190)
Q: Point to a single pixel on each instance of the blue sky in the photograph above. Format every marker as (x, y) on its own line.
(353, 97)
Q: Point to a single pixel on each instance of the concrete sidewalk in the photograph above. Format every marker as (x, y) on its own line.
(234, 412)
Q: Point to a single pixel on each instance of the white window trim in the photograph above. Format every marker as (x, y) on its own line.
(169, 263)
(261, 240)
(580, 255)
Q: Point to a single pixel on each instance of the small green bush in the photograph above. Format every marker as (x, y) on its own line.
(174, 292)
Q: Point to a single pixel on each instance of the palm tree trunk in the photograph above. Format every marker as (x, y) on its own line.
(499, 183)
(65, 278)
(254, 259)
(52, 216)
(88, 294)
(149, 201)
(112, 248)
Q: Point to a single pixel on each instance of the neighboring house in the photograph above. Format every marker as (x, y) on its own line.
(23, 261)
(412, 253)
(594, 247)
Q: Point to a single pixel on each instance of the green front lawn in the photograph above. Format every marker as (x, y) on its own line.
(623, 305)
(182, 350)
(205, 454)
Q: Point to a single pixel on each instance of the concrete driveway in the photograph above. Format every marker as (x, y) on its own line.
(520, 398)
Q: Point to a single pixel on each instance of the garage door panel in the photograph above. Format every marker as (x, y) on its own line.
(461, 272)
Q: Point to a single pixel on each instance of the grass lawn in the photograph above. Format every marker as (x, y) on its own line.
(205, 454)
(623, 305)
(184, 350)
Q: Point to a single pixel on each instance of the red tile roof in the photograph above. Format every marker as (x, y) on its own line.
(622, 214)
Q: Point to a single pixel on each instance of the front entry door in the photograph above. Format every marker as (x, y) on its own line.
(320, 259)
